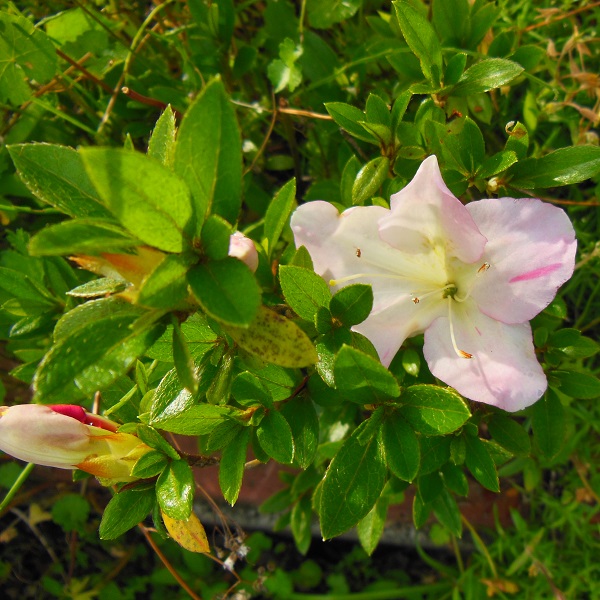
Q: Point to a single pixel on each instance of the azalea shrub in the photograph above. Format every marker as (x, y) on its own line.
(371, 263)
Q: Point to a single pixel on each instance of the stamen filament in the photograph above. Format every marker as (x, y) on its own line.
(459, 352)
(359, 275)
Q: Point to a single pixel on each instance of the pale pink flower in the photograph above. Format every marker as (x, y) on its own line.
(470, 277)
(243, 248)
(68, 437)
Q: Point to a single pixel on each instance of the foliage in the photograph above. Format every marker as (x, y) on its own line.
(125, 131)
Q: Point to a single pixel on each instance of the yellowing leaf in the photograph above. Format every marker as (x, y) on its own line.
(275, 339)
(188, 534)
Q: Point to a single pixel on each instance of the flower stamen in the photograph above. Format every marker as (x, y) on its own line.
(459, 352)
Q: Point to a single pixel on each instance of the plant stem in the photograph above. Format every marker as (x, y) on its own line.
(16, 486)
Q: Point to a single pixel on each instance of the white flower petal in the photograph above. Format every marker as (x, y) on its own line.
(503, 371)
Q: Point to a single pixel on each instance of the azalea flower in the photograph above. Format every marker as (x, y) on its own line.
(470, 277)
(68, 437)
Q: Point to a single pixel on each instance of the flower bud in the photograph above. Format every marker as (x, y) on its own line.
(68, 437)
(243, 248)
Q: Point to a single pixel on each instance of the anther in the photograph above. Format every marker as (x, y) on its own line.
(484, 267)
(416, 301)
(358, 253)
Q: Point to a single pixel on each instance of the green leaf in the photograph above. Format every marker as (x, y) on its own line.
(28, 297)
(447, 512)
(574, 384)
(421, 39)
(278, 213)
(273, 338)
(304, 291)
(150, 465)
(301, 520)
(362, 378)
(561, 167)
(369, 179)
(247, 387)
(509, 434)
(25, 53)
(574, 345)
(155, 440)
(352, 304)
(208, 155)
(498, 163)
(433, 410)
(71, 512)
(352, 484)
(487, 74)
(322, 14)
(275, 437)
(175, 490)
(166, 286)
(81, 236)
(284, 72)
(370, 528)
(231, 467)
(146, 197)
(216, 233)
(184, 363)
(162, 140)
(548, 424)
(472, 146)
(401, 446)
(451, 20)
(481, 464)
(302, 417)
(125, 510)
(349, 118)
(227, 290)
(198, 419)
(90, 358)
(170, 399)
(96, 288)
(57, 176)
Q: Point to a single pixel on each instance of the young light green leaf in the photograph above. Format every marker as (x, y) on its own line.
(352, 484)
(162, 140)
(184, 363)
(487, 74)
(421, 38)
(369, 179)
(433, 410)
(147, 198)
(226, 290)
(278, 213)
(208, 155)
(166, 287)
(57, 176)
(304, 290)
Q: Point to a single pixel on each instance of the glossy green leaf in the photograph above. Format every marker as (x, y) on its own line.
(362, 378)
(278, 213)
(92, 357)
(561, 167)
(97, 288)
(146, 197)
(246, 388)
(175, 490)
(208, 155)
(226, 290)
(481, 464)
(231, 467)
(302, 417)
(352, 304)
(166, 286)
(572, 344)
(57, 176)
(401, 446)
(216, 233)
(421, 38)
(432, 410)
(509, 434)
(304, 290)
(369, 179)
(197, 419)
(349, 117)
(451, 21)
(125, 510)
(352, 484)
(370, 528)
(485, 75)
(184, 363)
(150, 465)
(155, 440)
(275, 339)
(275, 437)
